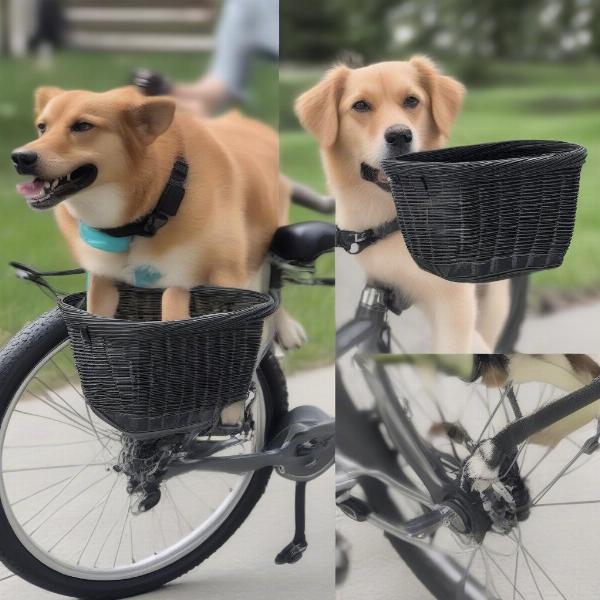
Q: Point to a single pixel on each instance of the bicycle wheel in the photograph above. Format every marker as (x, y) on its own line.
(542, 540)
(66, 521)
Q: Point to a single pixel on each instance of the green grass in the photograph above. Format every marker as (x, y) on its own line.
(528, 101)
(33, 238)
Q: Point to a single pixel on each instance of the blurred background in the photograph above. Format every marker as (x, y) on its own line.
(95, 45)
(531, 68)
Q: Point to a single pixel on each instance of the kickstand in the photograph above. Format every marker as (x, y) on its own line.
(295, 549)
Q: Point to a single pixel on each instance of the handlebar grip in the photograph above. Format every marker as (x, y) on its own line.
(302, 195)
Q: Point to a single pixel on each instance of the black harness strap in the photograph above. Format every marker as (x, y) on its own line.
(355, 242)
(166, 207)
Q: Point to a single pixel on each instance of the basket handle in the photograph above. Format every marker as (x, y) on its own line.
(28, 273)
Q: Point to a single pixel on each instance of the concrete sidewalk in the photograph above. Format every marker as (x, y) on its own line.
(244, 569)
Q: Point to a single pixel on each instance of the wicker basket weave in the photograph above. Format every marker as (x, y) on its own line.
(149, 377)
(489, 211)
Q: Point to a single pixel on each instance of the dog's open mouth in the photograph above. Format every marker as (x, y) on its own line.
(43, 193)
(376, 176)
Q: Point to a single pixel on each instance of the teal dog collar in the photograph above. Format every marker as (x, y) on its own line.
(103, 241)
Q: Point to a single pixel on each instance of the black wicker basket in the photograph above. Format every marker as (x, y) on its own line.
(149, 377)
(490, 211)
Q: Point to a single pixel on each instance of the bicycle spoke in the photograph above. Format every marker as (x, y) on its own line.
(537, 564)
(500, 402)
(131, 541)
(75, 417)
(48, 487)
(502, 572)
(193, 492)
(98, 520)
(53, 445)
(556, 478)
(7, 577)
(488, 575)
(462, 585)
(178, 512)
(574, 503)
(127, 501)
(537, 464)
(516, 573)
(49, 390)
(520, 542)
(127, 515)
(78, 523)
(86, 431)
(57, 510)
(72, 466)
(66, 378)
(59, 492)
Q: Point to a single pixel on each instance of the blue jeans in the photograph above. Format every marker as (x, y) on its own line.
(246, 28)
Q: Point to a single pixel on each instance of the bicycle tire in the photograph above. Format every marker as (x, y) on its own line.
(17, 360)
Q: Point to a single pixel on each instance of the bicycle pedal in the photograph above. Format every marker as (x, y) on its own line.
(355, 508)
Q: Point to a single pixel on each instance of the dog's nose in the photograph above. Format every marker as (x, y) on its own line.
(24, 160)
(398, 136)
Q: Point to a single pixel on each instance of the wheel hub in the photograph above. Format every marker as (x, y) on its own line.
(503, 503)
(145, 462)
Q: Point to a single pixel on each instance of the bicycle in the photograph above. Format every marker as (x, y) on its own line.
(118, 537)
(411, 434)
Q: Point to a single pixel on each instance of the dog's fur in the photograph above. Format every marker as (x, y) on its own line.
(462, 320)
(234, 200)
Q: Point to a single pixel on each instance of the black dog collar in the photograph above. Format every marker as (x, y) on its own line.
(355, 242)
(166, 207)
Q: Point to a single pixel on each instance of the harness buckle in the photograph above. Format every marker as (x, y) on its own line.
(154, 222)
(360, 237)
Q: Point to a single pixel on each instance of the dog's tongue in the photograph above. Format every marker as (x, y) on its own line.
(31, 188)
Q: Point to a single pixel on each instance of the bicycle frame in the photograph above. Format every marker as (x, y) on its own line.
(369, 333)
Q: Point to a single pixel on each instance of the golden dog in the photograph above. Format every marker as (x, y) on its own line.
(363, 116)
(103, 160)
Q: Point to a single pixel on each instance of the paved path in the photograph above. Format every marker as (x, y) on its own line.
(571, 330)
(244, 569)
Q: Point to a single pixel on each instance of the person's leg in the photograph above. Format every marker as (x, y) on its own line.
(245, 28)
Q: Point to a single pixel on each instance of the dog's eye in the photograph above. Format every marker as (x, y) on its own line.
(410, 102)
(361, 106)
(41, 127)
(81, 126)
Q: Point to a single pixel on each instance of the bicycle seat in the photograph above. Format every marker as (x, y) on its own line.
(303, 242)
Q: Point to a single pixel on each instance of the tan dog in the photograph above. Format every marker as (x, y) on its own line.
(363, 116)
(104, 160)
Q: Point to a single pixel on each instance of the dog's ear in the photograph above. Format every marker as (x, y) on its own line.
(151, 118)
(42, 96)
(317, 109)
(446, 94)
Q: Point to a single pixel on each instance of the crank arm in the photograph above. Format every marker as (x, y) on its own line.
(412, 531)
(302, 447)
(236, 465)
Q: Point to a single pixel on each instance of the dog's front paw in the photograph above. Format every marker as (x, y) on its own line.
(289, 333)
